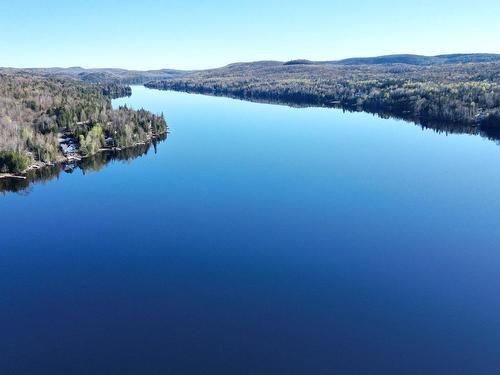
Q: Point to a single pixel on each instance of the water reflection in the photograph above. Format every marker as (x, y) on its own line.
(91, 164)
(491, 133)
(335, 236)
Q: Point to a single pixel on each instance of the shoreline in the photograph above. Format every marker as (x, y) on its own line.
(67, 159)
(318, 102)
(485, 130)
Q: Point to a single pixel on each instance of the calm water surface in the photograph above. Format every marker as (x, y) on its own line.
(259, 239)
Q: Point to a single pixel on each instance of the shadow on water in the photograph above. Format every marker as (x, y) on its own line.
(491, 133)
(86, 165)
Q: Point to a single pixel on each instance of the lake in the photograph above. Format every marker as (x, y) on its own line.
(259, 239)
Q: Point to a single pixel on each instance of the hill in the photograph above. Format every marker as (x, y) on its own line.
(419, 59)
(104, 75)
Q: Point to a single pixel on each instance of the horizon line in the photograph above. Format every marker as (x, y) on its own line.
(257, 61)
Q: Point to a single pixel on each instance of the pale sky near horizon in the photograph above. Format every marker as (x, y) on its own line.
(191, 34)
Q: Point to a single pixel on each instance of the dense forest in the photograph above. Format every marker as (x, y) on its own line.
(47, 120)
(443, 91)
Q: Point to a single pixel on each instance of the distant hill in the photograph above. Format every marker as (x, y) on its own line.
(458, 58)
(104, 75)
(418, 59)
(128, 77)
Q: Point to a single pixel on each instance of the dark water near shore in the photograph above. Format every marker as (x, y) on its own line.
(259, 239)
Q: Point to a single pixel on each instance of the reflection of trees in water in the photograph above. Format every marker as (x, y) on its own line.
(23, 186)
(490, 132)
(91, 164)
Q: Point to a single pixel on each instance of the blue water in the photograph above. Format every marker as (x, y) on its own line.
(259, 239)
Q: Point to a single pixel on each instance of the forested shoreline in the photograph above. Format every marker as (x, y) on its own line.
(51, 120)
(461, 94)
(90, 164)
(55, 114)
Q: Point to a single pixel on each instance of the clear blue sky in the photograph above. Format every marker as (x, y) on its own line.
(148, 34)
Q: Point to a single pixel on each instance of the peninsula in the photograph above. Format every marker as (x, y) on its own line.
(50, 120)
